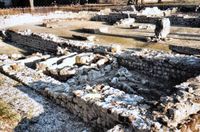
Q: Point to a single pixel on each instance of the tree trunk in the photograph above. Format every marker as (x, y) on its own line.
(31, 4)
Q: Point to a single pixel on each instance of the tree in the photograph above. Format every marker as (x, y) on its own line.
(31, 4)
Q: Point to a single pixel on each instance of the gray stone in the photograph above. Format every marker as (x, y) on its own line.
(93, 74)
(108, 68)
(162, 28)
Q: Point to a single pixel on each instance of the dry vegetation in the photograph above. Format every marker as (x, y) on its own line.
(8, 118)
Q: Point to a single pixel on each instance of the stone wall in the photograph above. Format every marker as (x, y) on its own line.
(153, 63)
(49, 43)
(113, 17)
(32, 42)
(189, 21)
(93, 107)
(161, 65)
(104, 106)
(185, 50)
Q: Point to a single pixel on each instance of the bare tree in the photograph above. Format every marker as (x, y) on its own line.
(31, 4)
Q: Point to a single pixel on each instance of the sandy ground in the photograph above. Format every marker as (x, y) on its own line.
(126, 37)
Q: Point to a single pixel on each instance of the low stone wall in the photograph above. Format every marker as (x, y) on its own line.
(189, 21)
(185, 101)
(93, 107)
(49, 43)
(186, 8)
(153, 63)
(113, 17)
(105, 106)
(184, 50)
(32, 42)
(173, 67)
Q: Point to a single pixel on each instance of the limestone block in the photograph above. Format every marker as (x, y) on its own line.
(50, 62)
(105, 11)
(162, 28)
(125, 22)
(90, 30)
(69, 61)
(93, 74)
(103, 30)
(102, 61)
(115, 48)
(67, 72)
(84, 58)
(17, 66)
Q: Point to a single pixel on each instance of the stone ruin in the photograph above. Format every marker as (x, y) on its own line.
(109, 88)
(131, 90)
(162, 30)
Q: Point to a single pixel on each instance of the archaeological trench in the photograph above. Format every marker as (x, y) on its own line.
(111, 89)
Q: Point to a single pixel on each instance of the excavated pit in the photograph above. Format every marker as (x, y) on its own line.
(131, 89)
(141, 89)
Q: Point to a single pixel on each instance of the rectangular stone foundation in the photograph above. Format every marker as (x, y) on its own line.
(105, 106)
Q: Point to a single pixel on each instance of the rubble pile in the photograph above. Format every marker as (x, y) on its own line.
(152, 12)
(103, 93)
(110, 88)
(125, 22)
(73, 64)
(150, 15)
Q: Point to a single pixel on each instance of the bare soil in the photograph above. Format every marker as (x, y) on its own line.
(124, 36)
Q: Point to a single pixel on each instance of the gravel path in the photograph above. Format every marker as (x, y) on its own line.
(48, 118)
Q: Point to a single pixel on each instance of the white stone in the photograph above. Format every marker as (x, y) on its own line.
(115, 48)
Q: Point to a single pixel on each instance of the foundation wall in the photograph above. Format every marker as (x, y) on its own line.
(49, 43)
(175, 20)
(173, 67)
(32, 42)
(85, 105)
(104, 106)
(185, 50)
(160, 65)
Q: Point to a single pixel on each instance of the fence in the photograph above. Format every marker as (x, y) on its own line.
(46, 9)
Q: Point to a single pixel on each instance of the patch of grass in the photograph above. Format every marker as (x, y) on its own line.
(2, 81)
(8, 117)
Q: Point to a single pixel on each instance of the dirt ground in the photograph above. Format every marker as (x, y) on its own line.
(124, 36)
